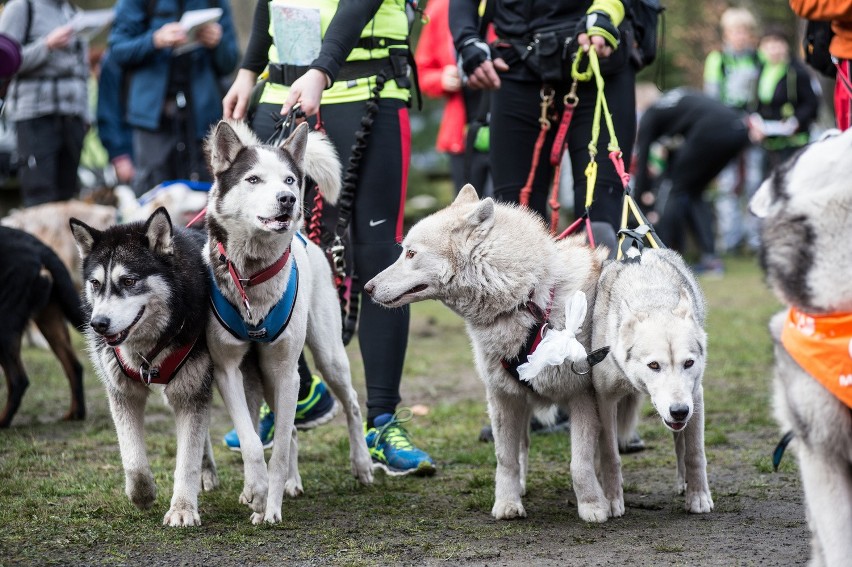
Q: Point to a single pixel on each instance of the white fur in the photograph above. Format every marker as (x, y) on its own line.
(483, 260)
(651, 315)
(816, 196)
(252, 245)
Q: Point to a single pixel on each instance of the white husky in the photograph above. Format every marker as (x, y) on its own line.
(806, 210)
(650, 311)
(497, 267)
(268, 305)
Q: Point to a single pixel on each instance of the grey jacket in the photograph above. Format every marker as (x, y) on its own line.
(48, 82)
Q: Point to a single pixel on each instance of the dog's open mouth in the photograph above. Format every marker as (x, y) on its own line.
(675, 425)
(277, 224)
(115, 340)
(416, 289)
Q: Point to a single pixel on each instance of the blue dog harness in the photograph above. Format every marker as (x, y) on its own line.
(270, 326)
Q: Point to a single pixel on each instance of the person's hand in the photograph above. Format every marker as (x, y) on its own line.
(597, 42)
(307, 91)
(451, 79)
(209, 35)
(124, 169)
(170, 35)
(485, 76)
(235, 103)
(597, 31)
(60, 37)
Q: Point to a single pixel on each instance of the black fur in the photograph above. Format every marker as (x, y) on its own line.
(26, 294)
(789, 260)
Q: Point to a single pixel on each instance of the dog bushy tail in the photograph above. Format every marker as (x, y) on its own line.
(63, 288)
(322, 164)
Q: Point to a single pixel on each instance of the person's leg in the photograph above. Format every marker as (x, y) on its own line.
(457, 171)
(68, 160)
(515, 110)
(152, 151)
(376, 230)
(39, 141)
(727, 211)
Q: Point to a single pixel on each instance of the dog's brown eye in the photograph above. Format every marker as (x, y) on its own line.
(654, 365)
(128, 282)
(253, 179)
(96, 285)
(290, 180)
(410, 254)
(688, 363)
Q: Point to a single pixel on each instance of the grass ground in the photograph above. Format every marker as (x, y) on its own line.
(62, 499)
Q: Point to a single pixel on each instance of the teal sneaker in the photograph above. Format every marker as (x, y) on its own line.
(266, 426)
(391, 447)
(317, 408)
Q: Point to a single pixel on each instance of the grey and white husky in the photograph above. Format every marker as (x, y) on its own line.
(806, 212)
(498, 267)
(253, 216)
(145, 298)
(650, 311)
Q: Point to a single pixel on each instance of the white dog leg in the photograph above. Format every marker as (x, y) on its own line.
(508, 414)
(192, 425)
(828, 490)
(698, 498)
(524, 451)
(293, 486)
(585, 427)
(280, 463)
(127, 407)
(679, 438)
(229, 380)
(333, 364)
(209, 474)
(610, 459)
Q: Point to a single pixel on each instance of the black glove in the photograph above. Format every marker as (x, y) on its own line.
(598, 23)
(473, 53)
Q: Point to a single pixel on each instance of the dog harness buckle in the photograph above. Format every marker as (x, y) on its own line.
(146, 372)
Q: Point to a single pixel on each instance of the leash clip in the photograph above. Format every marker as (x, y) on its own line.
(337, 256)
(146, 372)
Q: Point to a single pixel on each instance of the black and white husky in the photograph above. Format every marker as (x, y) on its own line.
(145, 296)
(272, 292)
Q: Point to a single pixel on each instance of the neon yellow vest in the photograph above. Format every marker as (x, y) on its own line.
(390, 21)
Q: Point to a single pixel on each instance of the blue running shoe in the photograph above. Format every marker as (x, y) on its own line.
(267, 430)
(317, 408)
(391, 447)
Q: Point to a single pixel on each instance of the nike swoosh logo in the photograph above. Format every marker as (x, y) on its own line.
(378, 222)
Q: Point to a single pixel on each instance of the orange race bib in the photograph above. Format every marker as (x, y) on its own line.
(821, 345)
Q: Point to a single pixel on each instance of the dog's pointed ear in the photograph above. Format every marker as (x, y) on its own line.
(466, 195)
(684, 305)
(84, 236)
(222, 146)
(481, 218)
(158, 229)
(761, 201)
(297, 142)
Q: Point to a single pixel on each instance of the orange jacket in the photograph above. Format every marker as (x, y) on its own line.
(840, 14)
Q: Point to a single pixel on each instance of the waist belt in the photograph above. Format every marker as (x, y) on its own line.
(398, 69)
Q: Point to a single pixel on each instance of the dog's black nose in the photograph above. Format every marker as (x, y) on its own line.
(679, 411)
(369, 288)
(100, 324)
(287, 199)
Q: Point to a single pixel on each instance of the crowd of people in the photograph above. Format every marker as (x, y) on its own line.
(503, 73)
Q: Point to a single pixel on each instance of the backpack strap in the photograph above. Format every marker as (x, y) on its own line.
(29, 22)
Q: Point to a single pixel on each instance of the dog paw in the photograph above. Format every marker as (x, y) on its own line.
(272, 516)
(209, 480)
(254, 496)
(363, 474)
(257, 518)
(699, 502)
(141, 489)
(508, 510)
(594, 511)
(293, 487)
(616, 507)
(180, 515)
